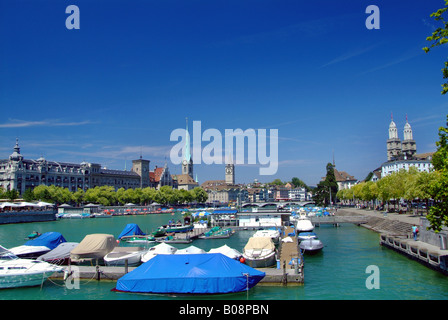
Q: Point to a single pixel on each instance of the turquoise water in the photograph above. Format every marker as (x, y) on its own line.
(339, 272)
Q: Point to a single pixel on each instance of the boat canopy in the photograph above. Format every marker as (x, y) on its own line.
(207, 273)
(131, 229)
(95, 245)
(60, 252)
(259, 243)
(190, 250)
(48, 239)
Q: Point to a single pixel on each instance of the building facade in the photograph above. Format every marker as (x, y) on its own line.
(20, 174)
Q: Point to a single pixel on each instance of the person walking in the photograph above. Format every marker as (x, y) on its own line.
(414, 232)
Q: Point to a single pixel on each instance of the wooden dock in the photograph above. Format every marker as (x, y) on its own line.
(337, 220)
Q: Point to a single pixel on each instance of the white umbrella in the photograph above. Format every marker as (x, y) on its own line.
(44, 204)
(27, 204)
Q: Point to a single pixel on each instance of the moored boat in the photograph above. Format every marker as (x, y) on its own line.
(133, 234)
(60, 254)
(38, 246)
(210, 273)
(259, 252)
(311, 245)
(161, 248)
(304, 225)
(119, 255)
(93, 247)
(274, 234)
(16, 272)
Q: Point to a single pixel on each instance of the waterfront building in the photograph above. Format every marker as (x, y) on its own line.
(257, 194)
(298, 194)
(344, 180)
(161, 177)
(20, 174)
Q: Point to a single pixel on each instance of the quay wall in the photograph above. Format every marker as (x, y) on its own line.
(28, 216)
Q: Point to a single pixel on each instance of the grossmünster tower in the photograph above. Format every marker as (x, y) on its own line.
(397, 148)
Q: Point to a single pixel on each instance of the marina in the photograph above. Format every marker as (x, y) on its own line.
(340, 245)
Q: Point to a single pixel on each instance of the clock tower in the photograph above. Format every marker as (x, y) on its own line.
(230, 171)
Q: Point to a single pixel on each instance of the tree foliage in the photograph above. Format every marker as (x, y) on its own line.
(440, 37)
(326, 191)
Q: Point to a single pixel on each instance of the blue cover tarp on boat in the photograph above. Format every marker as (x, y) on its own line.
(48, 239)
(207, 273)
(131, 229)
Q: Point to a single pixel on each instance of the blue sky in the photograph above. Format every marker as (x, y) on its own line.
(133, 72)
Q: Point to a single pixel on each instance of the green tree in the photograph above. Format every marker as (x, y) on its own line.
(440, 37)
(199, 195)
(297, 183)
(12, 194)
(438, 214)
(28, 195)
(326, 190)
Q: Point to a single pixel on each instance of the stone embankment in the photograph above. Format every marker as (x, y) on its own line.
(391, 223)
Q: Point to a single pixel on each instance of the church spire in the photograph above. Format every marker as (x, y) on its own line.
(187, 143)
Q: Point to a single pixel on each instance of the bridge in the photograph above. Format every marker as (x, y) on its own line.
(276, 204)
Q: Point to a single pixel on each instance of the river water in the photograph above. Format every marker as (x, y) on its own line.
(339, 272)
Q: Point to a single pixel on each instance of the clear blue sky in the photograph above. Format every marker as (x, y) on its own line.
(135, 70)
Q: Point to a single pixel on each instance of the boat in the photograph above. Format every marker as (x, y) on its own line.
(100, 215)
(74, 215)
(207, 273)
(190, 250)
(172, 238)
(177, 228)
(217, 233)
(161, 248)
(133, 234)
(311, 246)
(274, 234)
(227, 251)
(60, 254)
(16, 272)
(38, 246)
(119, 255)
(259, 252)
(33, 235)
(306, 236)
(93, 247)
(160, 232)
(304, 225)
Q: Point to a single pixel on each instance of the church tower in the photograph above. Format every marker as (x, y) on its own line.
(230, 171)
(409, 146)
(187, 163)
(393, 143)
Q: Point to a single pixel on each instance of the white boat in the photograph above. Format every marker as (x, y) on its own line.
(304, 225)
(190, 250)
(274, 234)
(306, 236)
(162, 248)
(259, 252)
(119, 255)
(16, 272)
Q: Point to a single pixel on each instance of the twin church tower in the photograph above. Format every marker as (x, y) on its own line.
(397, 149)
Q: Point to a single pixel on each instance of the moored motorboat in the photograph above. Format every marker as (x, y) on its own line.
(311, 246)
(217, 233)
(209, 273)
(274, 234)
(93, 247)
(259, 252)
(133, 234)
(304, 225)
(36, 247)
(227, 251)
(60, 254)
(161, 248)
(16, 272)
(306, 236)
(119, 255)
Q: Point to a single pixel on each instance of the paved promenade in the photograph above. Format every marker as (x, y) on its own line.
(406, 218)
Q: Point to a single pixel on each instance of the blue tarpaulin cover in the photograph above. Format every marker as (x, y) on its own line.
(225, 211)
(48, 239)
(131, 229)
(207, 273)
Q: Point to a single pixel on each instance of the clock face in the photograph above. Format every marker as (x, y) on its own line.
(228, 170)
(184, 162)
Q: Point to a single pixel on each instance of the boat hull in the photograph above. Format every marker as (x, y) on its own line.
(260, 262)
(23, 280)
(311, 246)
(133, 259)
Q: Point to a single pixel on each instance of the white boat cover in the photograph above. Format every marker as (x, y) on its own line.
(62, 251)
(94, 246)
(190, 250)
(227, 251)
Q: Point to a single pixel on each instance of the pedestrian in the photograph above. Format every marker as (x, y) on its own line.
(414, 232)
